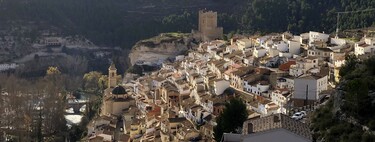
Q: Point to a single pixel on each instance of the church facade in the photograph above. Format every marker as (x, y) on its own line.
(115, 97)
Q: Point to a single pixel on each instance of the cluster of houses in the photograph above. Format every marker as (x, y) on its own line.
(271, 74)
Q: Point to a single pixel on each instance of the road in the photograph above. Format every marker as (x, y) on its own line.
(117, 131)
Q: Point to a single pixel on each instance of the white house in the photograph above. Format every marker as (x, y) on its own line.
(259, 52)
(257, 87)
(309, 86)
(280, 46)
(365, 46)
(317, 37)
(262, 40)
(320, 52)
(294, 47)
(243, 43)
(220, 85)
(273, 52)
(303, 65)
(285, 82)
(337, 44)
(280, 97)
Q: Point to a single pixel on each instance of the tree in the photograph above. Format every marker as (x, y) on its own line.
(92, 81)
(232, 118)
(53, 107)
(350, 64)
(103, 81)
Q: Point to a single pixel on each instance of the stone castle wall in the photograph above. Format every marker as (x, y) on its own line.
(207, 26)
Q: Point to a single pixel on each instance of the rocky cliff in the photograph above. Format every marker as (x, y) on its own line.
(155, 50)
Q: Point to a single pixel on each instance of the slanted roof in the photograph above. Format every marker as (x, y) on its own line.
(324, 49)
(286, 66)
(277, 121)
(177, 120)
(112, 67)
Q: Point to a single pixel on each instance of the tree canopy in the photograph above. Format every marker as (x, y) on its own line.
(232, 118)
(357, 104)
(122, 23)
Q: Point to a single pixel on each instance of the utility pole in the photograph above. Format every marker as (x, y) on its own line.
(337, 24)
(307, 94)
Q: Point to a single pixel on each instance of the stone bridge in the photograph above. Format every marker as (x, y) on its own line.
(76, 104)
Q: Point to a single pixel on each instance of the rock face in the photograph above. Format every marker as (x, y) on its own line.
(155, 50)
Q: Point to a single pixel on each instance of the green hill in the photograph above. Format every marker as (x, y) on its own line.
(349, 116)
(124, 22)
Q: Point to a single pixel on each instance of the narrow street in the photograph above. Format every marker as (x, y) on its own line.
(118, 130)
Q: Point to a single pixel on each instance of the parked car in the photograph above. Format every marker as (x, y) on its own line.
(299, 115)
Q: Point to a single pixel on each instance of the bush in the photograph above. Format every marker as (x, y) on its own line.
(371, 125)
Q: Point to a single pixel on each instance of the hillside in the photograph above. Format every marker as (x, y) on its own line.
(155, 50)
(124, 22)
(349, 116)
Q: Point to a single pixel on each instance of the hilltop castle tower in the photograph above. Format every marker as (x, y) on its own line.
(207, 26)
(112, 74)
(207, 20)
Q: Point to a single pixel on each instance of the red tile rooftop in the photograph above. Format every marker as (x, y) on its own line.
(155, 111)
(236, 66)
(363, 45)
(286, 66)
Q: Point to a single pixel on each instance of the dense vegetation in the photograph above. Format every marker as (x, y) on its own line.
(231, 119)
(355, 113)
(124, 22)
(305, 15)
(36, 107)
(359, 87)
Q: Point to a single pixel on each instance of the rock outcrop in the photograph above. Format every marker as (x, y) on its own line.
(155, 50)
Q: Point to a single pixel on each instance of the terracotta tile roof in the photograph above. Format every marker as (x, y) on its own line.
(286, 66)
(155, 112)
(363, 45)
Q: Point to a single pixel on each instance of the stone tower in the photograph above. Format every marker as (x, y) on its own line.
(207, 20)
(112, 74)
(207, 26)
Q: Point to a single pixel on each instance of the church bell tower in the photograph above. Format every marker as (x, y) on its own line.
(112, 73)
